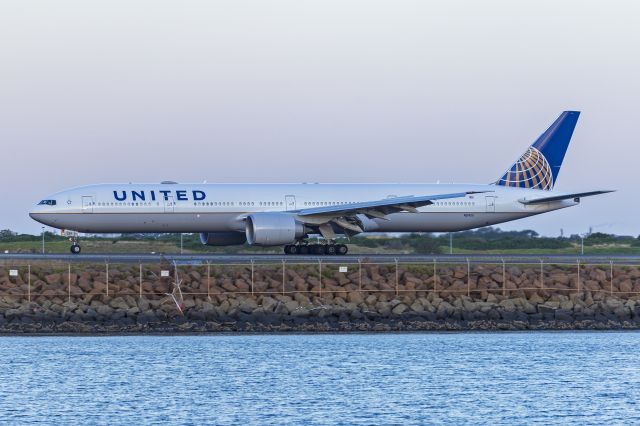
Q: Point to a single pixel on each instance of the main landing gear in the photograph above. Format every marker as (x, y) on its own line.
(316, 249)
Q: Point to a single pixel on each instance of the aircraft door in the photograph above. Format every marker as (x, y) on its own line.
(169, 204)
(491, 204)
(87, 204)
(290, 202)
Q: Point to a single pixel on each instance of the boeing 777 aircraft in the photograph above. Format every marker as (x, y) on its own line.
(286, 214)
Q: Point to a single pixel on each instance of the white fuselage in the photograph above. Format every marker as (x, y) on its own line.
(115, 208)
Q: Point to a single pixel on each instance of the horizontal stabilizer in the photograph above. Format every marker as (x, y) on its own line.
(561, 197)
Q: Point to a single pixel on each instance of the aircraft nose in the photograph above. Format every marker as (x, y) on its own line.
(36, 216)
(44, 211)
(40, 216)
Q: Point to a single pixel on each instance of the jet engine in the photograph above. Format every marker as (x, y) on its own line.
(222, 238)
(273, 229)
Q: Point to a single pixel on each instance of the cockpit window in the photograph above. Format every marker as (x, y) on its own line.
(47, 203)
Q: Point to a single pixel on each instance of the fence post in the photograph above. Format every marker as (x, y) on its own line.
(252, 267)
(468, 278)
(578, 275)
(359, 275)
(542, 274)
(69, 282)
(29, 283)
(283, 275)
(175, 273)
(397, 274)
(611, 283)
(107, 283)
(209, 280)
(435, 275)
(140, 285)
(320, 272)
(504, 278)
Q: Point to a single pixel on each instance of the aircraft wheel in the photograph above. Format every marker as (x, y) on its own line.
(330, 249)
(317, 249)
(294, 249)
(303, 249)
(341, 249)
(75, 248)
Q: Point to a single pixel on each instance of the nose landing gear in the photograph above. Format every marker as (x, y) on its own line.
(75, 245)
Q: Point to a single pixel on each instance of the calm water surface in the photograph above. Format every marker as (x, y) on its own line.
(504, 378)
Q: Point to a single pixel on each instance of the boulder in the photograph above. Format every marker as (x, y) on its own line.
(282, 298)
(104, 310)
(469, 305)
(626, 286)
(564, 315)
(416, 307)
(281, 309)
(292, 306)
(302, 299)
(566, 305)
(622, 312)
(613, 303)
(269, 304)
(228, 286)
(248, 305)
(355, 297)
(53, 279)
(383, 308)
(242, 285)
(560, 278)
(508, 305)
(399, 309)
(528, 308)
(460, 273)
(119, 303)
(300, 312)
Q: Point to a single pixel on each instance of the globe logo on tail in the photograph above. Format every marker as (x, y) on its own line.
(531, 171)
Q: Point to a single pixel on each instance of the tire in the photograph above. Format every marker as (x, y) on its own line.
(303, 250)
(294, 250)
(317, 249)
(287, 249)
(341, 249)
(75, 249)
(330, 250)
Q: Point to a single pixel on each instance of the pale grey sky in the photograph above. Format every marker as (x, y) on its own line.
(330, 91)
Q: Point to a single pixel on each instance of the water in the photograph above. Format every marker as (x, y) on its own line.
(496, 378)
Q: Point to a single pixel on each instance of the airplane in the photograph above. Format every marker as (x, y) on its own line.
(287, 214)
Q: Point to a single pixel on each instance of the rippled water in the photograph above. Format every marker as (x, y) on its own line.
(541, 377)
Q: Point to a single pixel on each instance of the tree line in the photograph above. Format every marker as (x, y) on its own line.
(489, 238)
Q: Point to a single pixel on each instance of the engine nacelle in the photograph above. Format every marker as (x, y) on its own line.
(222, 238)
(273, 229)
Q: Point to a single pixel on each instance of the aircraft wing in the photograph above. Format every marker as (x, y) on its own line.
(345, 215)
(561, 197)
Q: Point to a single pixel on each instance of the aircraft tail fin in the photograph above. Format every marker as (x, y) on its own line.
(539, 166)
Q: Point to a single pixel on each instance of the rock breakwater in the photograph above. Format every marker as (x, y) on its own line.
(67, 298)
